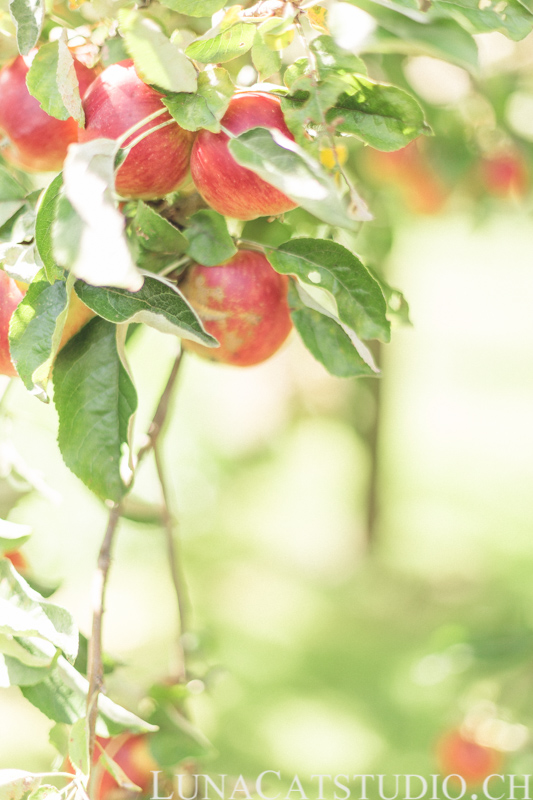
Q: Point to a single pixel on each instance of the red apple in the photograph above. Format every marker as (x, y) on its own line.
(132, 754)
(504, 174)
(458, 755)
(243, 303)
(37, 141)
(230, 189)
(17, 559)
(10, 297)
(117, 100)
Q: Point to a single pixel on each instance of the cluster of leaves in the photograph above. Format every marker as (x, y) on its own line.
(70, 239)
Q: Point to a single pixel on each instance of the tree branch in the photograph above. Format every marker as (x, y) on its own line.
(95, 670)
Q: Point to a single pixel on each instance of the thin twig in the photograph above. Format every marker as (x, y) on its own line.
(94, 667)
(161, 411)
(175, 572)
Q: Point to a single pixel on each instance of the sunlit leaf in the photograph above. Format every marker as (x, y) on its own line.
(225, 46)
(157, 60)
(28, 16)
(209, 241)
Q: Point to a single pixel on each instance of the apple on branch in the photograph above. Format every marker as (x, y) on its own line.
(36, 141)
(230, 189)
(243, 303)
(116, 101)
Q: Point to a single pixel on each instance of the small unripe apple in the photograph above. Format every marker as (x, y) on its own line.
(243, 303)
(229, 188)
(11, 293)
(458, 755)
(116, 101)
(37, 141)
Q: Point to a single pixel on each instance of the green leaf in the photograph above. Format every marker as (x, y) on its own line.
(14, 673)
(89, 231)
(12, 196)
(13, 535)
(265, 60)
(158, 304)
(46, 792)
(19, 261)
(309, 103)
(206, 108)
(441, 38)
(511, 18)
(62, 697)
(332, 58)
(116, 771)
(52, 80)
(155, 243)
(228, 44)
(23, 612)
(15, 783)
(35, 331)
(262, 231)
(78, 746)
(95, 400)
(348, 290)
(155, 234)
(195, 8)
(326, 340)
(209, 241)
(157, 60)
(24, 651)
(28, 16)
(176, 738)
(384, 117)
(284, 164)
(46, 213)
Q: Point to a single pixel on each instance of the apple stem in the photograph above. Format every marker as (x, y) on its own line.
(95, 672)
(144, 121)
(143, 135)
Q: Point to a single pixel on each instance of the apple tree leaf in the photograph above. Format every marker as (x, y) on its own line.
(195, 8)
(154, 241)
(52, 80)
(78, 746)
(158, 304)
(89, 231)
(12, 535)
(348, 289)
(15, 783)
(15, 673)
(36, 330)
(326, 340)
(28, 16)
(206, 108)
(209, 241)
(265, 60)
(24, 612)
(230, 43)
(62, 697)
(157, 60)
(287, 166)
(46, 214)
(383, 116)
(332, 58)
(46, 792)
(12, 196)
(95, 400)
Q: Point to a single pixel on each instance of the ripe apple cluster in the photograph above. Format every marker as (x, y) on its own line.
(242, 302)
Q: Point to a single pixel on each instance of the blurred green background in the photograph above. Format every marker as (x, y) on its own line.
(315, 655)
